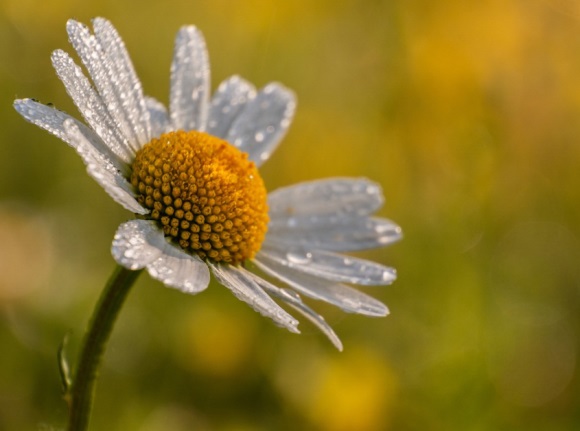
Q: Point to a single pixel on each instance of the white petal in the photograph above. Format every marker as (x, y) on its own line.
(159, 117)
(332, 266)
(112, 88)
(102, 171)
(123, 72)
(137, 243)
(53, 121)
(263, 122)
(46, 117)
(101, 163)
(246, 289)
(345, 297)
(227, 103)
(90, 105)
(179, 270)
(190, 80)
(293, 299)
(333, 233)
(140, 243)
(333, 196)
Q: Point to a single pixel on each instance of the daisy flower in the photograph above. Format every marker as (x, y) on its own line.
(190, 175)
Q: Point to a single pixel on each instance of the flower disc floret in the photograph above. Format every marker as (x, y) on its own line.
(204, 193)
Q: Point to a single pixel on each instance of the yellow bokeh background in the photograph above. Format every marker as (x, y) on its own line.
(467, 114)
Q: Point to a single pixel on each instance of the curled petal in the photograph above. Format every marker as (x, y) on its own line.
(140, 243)
(137, 243)
(179, 270)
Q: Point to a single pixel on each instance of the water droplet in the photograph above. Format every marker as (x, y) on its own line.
(259, 137)
(299, 258)
(292, 294)
(291, 222)
(389, 275)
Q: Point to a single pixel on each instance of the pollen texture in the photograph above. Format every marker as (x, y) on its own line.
(204, 193)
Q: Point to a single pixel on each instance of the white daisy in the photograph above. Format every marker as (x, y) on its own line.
(190, 176)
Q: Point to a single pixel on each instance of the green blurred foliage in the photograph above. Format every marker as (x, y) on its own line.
(467, 114)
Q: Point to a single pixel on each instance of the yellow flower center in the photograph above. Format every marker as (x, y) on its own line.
(204, 193)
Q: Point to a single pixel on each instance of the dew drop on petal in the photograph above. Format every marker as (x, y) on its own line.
(299, 258)
(291, 293)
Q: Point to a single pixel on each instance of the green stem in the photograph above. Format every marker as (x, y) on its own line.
(100, 327)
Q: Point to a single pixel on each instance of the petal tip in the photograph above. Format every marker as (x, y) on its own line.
(191, 30)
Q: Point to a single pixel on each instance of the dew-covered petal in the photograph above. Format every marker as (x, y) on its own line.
(293, 299)
(179, 270)
(129, 85)
(116, 89)
(101, 164)
(52, 120)
(90, 105)
(333, 196)
(338, 233)
(227, 104)
(46, 117)
(159, 117)
(140, 243)
(245, 288)
(345, 297)
(101, 170)
(333, 266)
(71, 131)
(137, 243)
(190, 81)
(263, 122)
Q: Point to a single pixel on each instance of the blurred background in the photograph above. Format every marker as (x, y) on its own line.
(468, 115)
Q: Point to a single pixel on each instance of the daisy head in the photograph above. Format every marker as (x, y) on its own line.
(190, 175)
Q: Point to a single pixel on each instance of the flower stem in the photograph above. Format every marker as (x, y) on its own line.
(81, 392)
